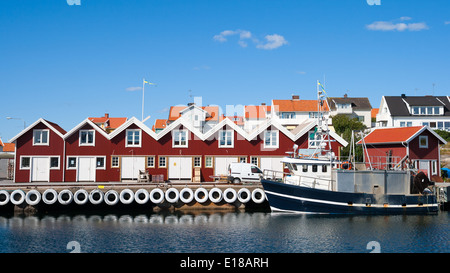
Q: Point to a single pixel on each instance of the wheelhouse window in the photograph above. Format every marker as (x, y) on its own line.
(226, 139)
(271, 139)
(133, 138)
(40, 137)
(179, 138)
(87, 138)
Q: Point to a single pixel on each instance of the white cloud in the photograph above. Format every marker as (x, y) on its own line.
(391, 26)
(133, 88)
(272, 41)
(447, 23)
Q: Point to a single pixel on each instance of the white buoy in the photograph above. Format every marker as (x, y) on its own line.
(50, 196)
(244, 195)
(172, 195)
(81, 196)
(33, 197)
(96, 196)
(4, 197)
(258, 196)
(141, 196)
(65, 197)
(229, 195)
(111, 197)
(215, 195)
(186, 195)
(201, 195)
(17, 197)
(157, 196)
(126, 196)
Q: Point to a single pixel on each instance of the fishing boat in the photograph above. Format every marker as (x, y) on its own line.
(320, 183)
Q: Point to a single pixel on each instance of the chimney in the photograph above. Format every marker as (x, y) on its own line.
(106, 115)
(295, 97)
(345, 95)
(263, 103)
(403, 96)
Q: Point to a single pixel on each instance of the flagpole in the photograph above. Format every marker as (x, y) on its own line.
(143, 85)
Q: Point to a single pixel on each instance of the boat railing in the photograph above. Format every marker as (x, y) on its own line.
(281, 177)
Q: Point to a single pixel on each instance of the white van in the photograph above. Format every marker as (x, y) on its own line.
(244, 172)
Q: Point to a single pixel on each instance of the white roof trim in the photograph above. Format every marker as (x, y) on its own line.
(84, 122)
(431, 131)
(219, 126)
(127, 124)
(178, 122)
(34, 124)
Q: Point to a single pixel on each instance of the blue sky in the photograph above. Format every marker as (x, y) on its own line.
(67, 62)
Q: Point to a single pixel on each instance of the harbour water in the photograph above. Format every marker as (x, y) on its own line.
(231, 232)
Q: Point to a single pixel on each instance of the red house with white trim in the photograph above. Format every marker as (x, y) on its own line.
(418, 145)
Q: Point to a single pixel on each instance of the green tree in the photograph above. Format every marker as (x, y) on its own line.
(344, 125)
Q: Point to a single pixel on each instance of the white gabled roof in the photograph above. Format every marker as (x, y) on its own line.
(32, 126)
(84, 122)
(219, 126)
(127, 124)
(180, 121)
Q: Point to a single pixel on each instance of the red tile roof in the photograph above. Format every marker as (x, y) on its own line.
(256, 111)
(9, 147)
(159, 124)
(374, 112)
(391, 135)
(297, 105)
(213, 112)
(113, 123)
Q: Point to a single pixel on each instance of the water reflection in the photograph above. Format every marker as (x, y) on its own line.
(223, 232)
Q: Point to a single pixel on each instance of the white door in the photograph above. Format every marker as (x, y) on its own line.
(131, 166)
(86, 169)
(273, 164)
(424, 166)
(221, 164)
(180, 168)
(40, 169)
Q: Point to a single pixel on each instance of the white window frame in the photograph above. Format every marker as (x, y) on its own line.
(59, 164)
(434, 167)
(211, 163)
(197, 161)
(47, 131)
(133, 138)
(87, 138)
(271, 134)
(104, 163)
(177, 136)
(253, 159)
(117, 165)
(229, 135)
(316, 142)
(420, 141)
(151, 165)
(165, 162)
(29, 162)
(76, 163)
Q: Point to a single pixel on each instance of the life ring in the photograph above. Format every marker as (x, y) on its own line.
(230, 195)
(14, 199)
(141, 196)
(50, 196)
(201, 195)
(346, 165)
(186, 195)
(33, 197)
(258, 196)
(244, 195)
(172, 195)
(111, 197)
(81, 200)
(215, 195)
(65, 197)
(96, 196)
(126, 196)
(157, 196)
(4, 199)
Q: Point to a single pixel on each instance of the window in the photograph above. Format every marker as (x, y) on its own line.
(422, 110)
(324, 168)
(437, 110)
(433, 167)
(243, 159)
(447, 125)
(179, 138)
(197, 161)
(271, 139)
(254, 160)
(72, 162)
(305, 168)
(256, 170)
(423, 141)
(402, 124)
(133, 138)
(425, 123)
(208, 162)
(150, 162)
(87, 138)
(115, 162)
(440, 125)
(429, 110)
(40, 137)
(432, 124)
(409, 124)
(24, 162)
(314, 139)
(288, 115)
(314, 168)
(100, 162)
(226, 139)
(54, 162)
(162, 162)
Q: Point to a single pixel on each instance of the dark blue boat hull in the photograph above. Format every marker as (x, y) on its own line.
(291, 198)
